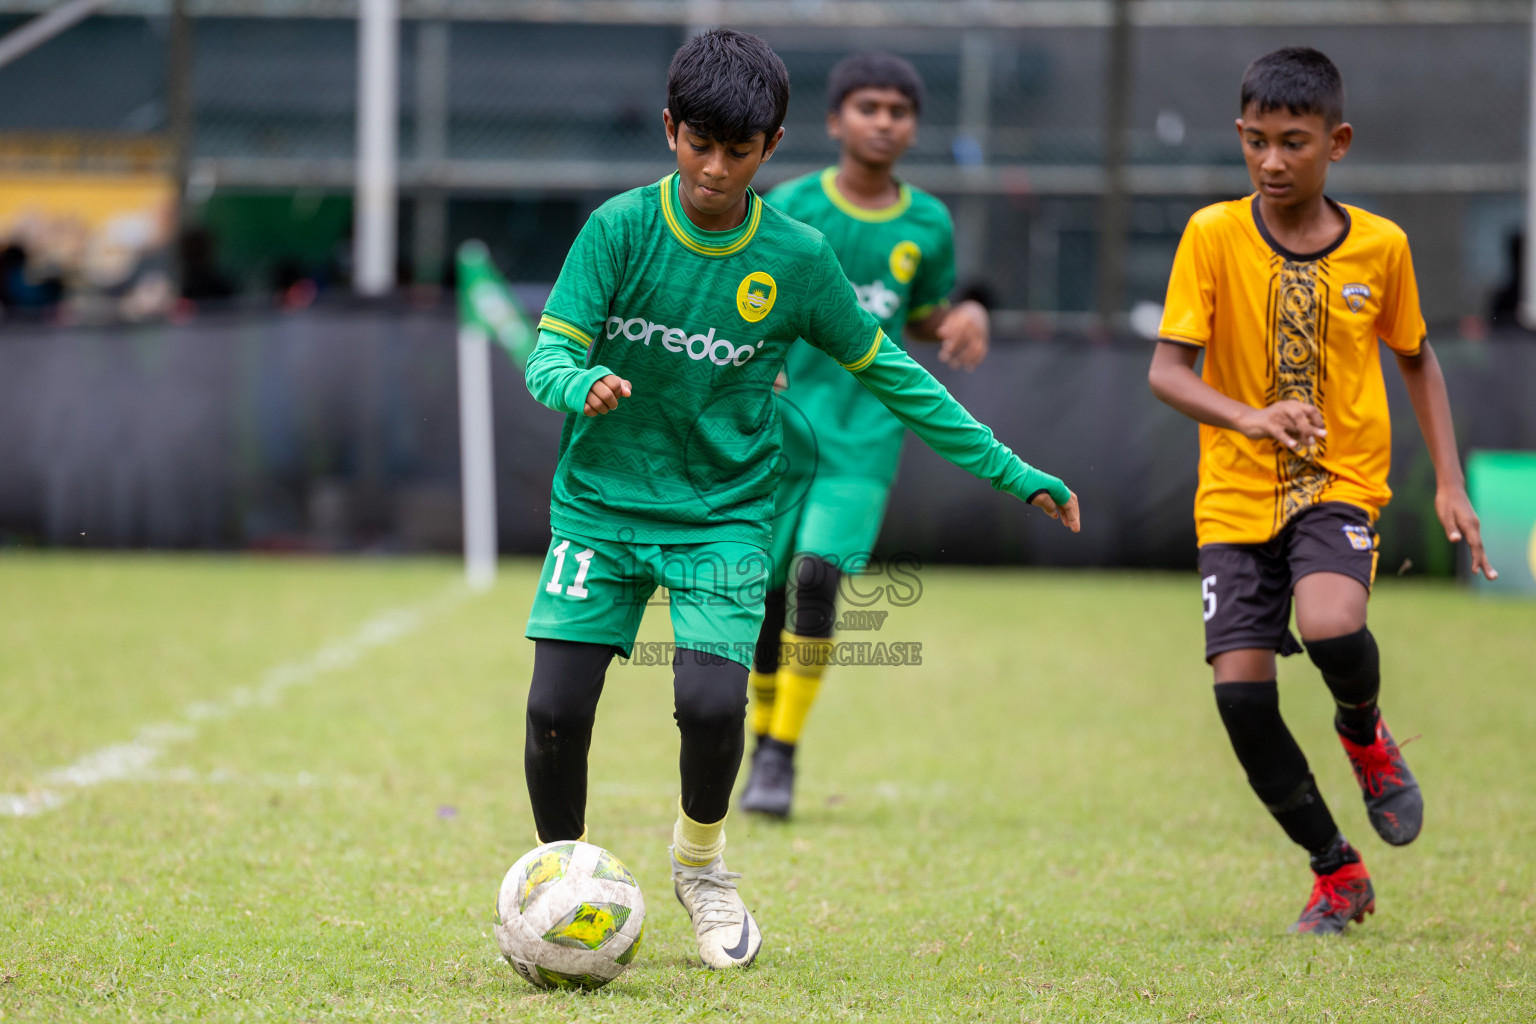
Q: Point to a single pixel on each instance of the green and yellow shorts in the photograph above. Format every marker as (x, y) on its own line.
(596, 591)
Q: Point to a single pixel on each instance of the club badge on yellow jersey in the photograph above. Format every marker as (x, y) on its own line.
(1356, 296)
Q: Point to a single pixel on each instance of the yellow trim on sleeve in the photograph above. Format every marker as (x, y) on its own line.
(671, 216)
(1180, 339)
(868, 357)
(920, 312)
(576, 334)
(885, 213)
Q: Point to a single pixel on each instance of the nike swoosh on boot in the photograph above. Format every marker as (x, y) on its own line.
(740, 949)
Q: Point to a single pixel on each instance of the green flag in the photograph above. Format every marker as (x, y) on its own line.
(486, 302)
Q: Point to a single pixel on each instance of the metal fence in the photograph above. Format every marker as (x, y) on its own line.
(550, 102)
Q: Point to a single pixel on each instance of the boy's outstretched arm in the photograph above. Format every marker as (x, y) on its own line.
(930, 412)
(834, 323)
(557, 376)
(1432, 406)
(1174, 381)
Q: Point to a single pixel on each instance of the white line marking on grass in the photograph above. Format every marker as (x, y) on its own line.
(133, 759)
(221, 777)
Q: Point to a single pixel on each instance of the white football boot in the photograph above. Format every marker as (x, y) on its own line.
(726, 933)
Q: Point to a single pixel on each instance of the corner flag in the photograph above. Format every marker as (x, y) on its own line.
(486, 302)
(487, 311)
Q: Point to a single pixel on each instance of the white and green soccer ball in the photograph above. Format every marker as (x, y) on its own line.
(569, 915)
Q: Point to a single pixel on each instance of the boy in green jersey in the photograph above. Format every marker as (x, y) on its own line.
(841, 446)
(661, 341)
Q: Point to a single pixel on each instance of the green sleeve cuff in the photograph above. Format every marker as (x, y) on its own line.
(557, 375)
(1037, 481)
(580, 385)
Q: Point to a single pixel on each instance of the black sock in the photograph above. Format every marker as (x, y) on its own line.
(1276, 767)
(562, 704)
(710, 694)
(812, 610)
(765, 656)
(1338, 854)
(1351, 666)
(1304, 816)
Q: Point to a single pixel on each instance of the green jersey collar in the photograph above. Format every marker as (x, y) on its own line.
(695, 239)
(884, 213)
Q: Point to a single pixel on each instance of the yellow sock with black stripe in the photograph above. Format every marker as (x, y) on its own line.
(804, 660)
(764, 689)
(695, 843)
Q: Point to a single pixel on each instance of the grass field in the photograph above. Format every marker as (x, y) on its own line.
(283, 806)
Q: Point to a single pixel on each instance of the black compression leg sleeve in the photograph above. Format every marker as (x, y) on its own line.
(813, 608)
(765, 657)
(562, 704)
(1351, 667)
(710, 693)
(1276, 767)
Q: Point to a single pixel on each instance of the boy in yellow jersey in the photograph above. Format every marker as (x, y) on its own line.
(1287, 292)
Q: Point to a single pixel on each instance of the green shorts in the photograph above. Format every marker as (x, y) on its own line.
(596, 591)
(836, 518)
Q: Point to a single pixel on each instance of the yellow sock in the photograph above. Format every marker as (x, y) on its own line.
(695, 843)
(804, 660)
(764, 685)
(539, 840)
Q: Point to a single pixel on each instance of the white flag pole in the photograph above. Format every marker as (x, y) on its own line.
(378, 64)
(477, 457)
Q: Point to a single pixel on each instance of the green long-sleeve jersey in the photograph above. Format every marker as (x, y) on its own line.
(699, 322)
(901, 261)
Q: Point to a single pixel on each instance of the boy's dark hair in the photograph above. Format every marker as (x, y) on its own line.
(1297, 78)
(874, 69)
(728, 85)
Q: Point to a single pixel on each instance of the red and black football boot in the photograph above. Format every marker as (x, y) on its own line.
(1392, 797)
(1338, 897)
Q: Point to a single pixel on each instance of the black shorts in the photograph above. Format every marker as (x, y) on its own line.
(1246, 588)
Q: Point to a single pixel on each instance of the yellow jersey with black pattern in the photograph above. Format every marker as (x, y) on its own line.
(1278, 325)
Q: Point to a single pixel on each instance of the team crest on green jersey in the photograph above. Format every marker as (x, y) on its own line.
(755, 295)
(904, 260)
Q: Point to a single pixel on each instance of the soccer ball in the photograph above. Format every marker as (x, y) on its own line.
(569, 915)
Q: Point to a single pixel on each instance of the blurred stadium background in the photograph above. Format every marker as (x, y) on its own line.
(203, 347)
